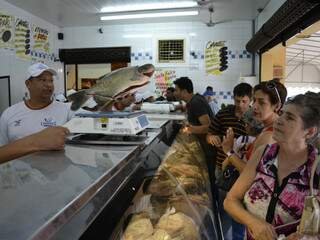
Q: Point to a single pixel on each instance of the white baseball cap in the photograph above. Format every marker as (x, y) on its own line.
(36, 69)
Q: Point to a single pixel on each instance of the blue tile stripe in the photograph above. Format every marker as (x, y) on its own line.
(194, 55)
(42, 55)
(136, 56)
(232, 54)
(35, 55)
(223, 94)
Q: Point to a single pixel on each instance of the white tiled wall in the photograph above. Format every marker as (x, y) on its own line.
(15, 67)
(236, 34)
(144, 49)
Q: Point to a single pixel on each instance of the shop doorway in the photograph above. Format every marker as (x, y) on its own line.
(84, 76)
(5, 95)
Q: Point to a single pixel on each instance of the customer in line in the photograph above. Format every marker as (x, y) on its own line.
(268, 98)
(232, 116)
(268, 197)
(209, 96)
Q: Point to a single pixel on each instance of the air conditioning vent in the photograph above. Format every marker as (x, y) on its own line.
(171, 51)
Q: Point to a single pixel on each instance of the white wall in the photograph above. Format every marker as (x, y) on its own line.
(236, 34)
(15, 67)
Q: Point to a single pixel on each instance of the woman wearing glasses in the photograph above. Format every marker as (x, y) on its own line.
(268, 98)
(268, 196)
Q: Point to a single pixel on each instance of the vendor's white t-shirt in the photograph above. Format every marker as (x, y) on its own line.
(19, 121)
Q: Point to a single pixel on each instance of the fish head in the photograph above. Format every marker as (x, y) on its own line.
(139, 80)
(147, 70)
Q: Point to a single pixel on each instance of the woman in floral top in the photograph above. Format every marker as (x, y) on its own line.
(268, 196)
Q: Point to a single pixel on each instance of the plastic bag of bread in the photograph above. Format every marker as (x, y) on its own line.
(178, 225)
(139, 228)
(160, 235)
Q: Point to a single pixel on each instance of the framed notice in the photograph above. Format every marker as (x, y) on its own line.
(6, 31)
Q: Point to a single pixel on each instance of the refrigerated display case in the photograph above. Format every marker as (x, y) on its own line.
(176, 202)
(64, 194)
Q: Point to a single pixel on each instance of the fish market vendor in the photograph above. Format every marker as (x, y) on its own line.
(39, 111)
(198, 110)
(199, 117)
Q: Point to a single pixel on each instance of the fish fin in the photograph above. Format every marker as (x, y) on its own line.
(107, 107)
(78, 99)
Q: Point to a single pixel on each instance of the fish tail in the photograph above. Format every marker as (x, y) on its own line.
(78, 99)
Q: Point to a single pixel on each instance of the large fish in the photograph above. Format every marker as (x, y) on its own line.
(114, 85)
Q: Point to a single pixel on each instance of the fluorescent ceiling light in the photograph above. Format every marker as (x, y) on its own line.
(149, 15)
(137, 36)
(148, 6)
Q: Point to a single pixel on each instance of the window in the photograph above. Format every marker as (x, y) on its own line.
(171, 51)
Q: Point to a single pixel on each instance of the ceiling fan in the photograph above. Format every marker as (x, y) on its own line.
(203, 3)
(211, 23)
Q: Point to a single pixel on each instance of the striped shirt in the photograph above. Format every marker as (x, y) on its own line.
(224, 119)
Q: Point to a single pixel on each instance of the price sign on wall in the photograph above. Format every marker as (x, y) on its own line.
(6, 31)
(163, 80)
(216, 59)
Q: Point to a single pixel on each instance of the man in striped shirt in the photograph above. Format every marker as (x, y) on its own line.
(230, 117)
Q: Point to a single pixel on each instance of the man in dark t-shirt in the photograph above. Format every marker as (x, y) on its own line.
(198, 110)
(199, 117)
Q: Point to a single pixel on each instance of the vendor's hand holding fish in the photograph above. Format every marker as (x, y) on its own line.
(113, 86)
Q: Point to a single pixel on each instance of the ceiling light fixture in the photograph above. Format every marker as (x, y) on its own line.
(149, 15)
(148, 6)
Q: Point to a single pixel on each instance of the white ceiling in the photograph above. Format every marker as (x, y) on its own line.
(68, 13)
(306, 51)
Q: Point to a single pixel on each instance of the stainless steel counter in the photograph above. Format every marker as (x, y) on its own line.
(41, 194)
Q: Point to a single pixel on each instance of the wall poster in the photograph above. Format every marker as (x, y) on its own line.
(163, 80)
(6, 31)
(22, 39)
(40, 37)
(212, 57)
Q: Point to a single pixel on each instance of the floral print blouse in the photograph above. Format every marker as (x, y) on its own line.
(279, 205)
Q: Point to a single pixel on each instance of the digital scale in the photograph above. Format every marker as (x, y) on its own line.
(108, 128)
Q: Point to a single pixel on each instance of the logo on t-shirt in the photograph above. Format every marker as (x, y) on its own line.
(48, 122)
(17, 123)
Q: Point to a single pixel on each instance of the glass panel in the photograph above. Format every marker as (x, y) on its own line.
(176, 202)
